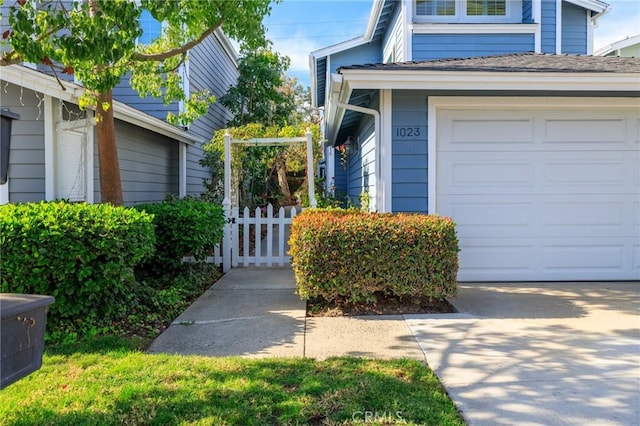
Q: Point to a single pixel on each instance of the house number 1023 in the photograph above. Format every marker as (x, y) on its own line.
(407, 132)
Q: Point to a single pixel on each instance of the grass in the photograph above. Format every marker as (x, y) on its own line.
(109, 381)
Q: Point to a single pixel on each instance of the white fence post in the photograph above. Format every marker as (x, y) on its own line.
(258, 235)
(226, 244)
(245, 236)
(281, 245)
(311, 171)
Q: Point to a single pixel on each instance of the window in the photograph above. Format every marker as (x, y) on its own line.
(468, 11)
(436, 7)
(486, 7)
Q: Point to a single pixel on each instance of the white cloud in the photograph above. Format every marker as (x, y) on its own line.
(622, 21)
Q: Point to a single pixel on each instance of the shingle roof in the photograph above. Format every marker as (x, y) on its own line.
(518, 62)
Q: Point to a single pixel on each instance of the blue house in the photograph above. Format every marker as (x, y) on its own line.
(53, 150)
(495, 114)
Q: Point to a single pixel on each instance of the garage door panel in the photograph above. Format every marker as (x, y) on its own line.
(612, 131)
(506, 256)
(561, 202)
(499, 218)
(493, 132)
(588, 217)
(575, 172)
(564, 257)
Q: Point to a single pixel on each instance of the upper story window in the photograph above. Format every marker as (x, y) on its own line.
(469, 11)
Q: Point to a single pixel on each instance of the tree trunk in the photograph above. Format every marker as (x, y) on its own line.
(110, 184)
(281, 170)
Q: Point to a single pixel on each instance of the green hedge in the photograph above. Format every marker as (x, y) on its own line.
(83, 255)
(352, 255)
(184, 227)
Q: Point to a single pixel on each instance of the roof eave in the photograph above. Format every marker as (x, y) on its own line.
(490, 80)
(47, 85)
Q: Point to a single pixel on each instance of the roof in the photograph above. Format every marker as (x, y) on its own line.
(46, 84)
(620, 44)
(517, 62)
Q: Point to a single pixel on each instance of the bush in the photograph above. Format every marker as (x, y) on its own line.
(83, 255)
(352, 255)
(184, 227)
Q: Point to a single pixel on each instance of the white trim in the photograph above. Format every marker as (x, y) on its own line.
(182, 170)
(493, 28)
(595, 5)
(339, 47)
(590, 25)
(384, 184)
(47, 85)
(432, 172)
(226, 45)
(374, 17)
(407, 9)
(513, 14)
(49, 149)
(4, 192)
(536, 14)
(437, 103)
(353, 79)
(558, 27)
(621, 44)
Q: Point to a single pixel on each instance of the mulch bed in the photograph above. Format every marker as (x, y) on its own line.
(384, 305)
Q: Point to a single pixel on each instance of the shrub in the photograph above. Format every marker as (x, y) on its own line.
(81, 254)
(352, 255)
(184, 227)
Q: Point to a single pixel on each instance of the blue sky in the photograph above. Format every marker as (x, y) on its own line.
(298, 27)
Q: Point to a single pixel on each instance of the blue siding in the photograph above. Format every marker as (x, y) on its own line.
(366, 54)
(150, 105)
(527, 12)
(361, 165)
(209, 68)
(438, 46)
(548, 24)
(340, 180)
(409, 158)
(574, 29)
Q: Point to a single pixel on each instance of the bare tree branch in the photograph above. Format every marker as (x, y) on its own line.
(137, 56)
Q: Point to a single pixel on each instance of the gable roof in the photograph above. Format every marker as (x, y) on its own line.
(381, 13)
(620, 44)
(46, 84)
(516, 62)
(520, 74)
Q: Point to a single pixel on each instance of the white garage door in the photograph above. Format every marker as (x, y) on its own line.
(541, 194)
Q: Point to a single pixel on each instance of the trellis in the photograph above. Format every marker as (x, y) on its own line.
(226, 203)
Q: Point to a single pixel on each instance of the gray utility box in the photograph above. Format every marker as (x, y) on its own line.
(24, 318)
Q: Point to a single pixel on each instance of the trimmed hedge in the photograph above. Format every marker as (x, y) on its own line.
(184, 227)
(352, 255)
(83, 255)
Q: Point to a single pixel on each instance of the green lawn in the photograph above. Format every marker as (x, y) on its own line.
(109, 381)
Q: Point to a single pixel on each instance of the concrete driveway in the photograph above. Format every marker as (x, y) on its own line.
(540, 353)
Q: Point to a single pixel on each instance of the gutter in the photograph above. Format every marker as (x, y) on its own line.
(377, 143)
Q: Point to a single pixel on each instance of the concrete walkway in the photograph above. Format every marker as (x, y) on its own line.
(526, 354)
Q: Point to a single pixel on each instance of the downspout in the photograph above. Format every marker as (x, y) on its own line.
(376, 117)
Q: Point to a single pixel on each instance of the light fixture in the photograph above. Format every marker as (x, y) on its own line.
(350, 145)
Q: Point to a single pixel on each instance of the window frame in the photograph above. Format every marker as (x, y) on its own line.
(513, 14)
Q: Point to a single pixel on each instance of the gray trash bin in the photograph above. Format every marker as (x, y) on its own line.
(24, 318)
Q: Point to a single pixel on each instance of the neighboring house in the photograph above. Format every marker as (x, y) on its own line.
(474, 110)
(629, 47)
(54, 153)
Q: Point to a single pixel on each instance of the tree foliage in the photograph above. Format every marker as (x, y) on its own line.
(260, 94)
(254, 167)
(97, 41)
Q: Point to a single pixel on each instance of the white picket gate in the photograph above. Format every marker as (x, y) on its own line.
(268, 251)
